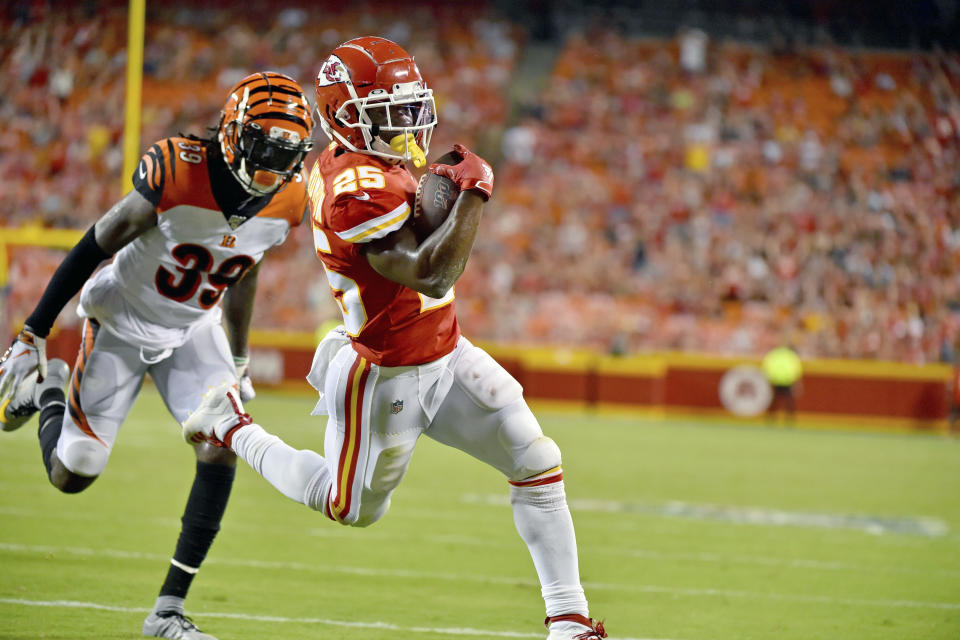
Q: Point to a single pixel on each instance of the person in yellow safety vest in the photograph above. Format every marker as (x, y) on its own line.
(783, 369)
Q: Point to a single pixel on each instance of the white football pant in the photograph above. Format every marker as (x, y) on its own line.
(108, 375)
(465, 400)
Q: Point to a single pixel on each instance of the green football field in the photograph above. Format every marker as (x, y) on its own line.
(687, 531)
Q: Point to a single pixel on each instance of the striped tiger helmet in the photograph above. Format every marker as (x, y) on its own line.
(265, 131)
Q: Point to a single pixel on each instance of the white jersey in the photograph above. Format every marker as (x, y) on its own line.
(171, 278)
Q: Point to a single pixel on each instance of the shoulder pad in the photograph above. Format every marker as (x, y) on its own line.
(367, 215)
(159, 164)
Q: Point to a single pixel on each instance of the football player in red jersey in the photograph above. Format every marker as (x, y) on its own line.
(398, 367)
(192, 232)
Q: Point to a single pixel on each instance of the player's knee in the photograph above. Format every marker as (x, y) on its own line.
(65, 480)
(390, 468)
(541, 455)
(532, 452)
(86, 458)
(372, 507)
(370, 514)
(362, 518)
(375, 500)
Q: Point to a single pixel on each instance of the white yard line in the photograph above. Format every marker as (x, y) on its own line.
(387, 626)
(656, 554)
(769, 561)
(461, 577)
(479, 541)
(924, 526)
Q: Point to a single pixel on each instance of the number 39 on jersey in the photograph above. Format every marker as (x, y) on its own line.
(196, 264)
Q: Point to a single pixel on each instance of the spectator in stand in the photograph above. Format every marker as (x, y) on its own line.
(665, 201)
(767, 189)
(65, 109)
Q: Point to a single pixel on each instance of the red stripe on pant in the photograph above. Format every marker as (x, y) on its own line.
(352, 439)
(538, 482)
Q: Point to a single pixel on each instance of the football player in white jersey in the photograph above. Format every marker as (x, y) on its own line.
(192, 231)
(399, 367)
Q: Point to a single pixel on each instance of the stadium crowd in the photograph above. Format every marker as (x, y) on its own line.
(727, 198)
(656, 195)
(61, 148)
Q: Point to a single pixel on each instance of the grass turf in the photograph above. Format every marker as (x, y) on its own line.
(655, 504)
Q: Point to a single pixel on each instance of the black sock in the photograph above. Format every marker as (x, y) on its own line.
(201, 522)
(52, 406)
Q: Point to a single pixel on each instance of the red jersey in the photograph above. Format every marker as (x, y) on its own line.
(358, 198)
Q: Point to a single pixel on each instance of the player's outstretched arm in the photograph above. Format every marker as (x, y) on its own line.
(432, 266)
(237, 311)
(126, 220)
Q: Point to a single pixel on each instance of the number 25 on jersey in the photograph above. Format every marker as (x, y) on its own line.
(363, 177)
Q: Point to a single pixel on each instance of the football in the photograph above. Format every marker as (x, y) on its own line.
(435, 197)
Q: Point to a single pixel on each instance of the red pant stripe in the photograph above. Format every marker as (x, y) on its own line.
(549, 478)
(353, 436)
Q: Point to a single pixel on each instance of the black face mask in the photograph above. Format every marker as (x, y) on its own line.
(263, 153)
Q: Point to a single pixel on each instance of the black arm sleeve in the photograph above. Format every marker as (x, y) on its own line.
(69, 277)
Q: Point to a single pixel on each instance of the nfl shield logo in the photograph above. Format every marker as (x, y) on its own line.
(396, 406)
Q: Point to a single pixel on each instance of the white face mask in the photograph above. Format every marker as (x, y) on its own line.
(397, 125)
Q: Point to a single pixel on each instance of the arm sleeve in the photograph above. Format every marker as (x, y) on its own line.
(68, 279)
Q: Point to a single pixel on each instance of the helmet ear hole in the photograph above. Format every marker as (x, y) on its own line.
(228, 141)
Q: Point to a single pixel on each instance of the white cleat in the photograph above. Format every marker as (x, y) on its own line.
(218, 417)
(26, 398)
(575, 627)
(173, 625)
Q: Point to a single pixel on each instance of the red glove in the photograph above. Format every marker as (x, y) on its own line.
(472, 172)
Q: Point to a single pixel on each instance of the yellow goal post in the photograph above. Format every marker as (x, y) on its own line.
(33, 236)
(65, 239)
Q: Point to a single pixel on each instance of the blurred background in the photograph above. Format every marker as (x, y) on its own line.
(681, 187)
